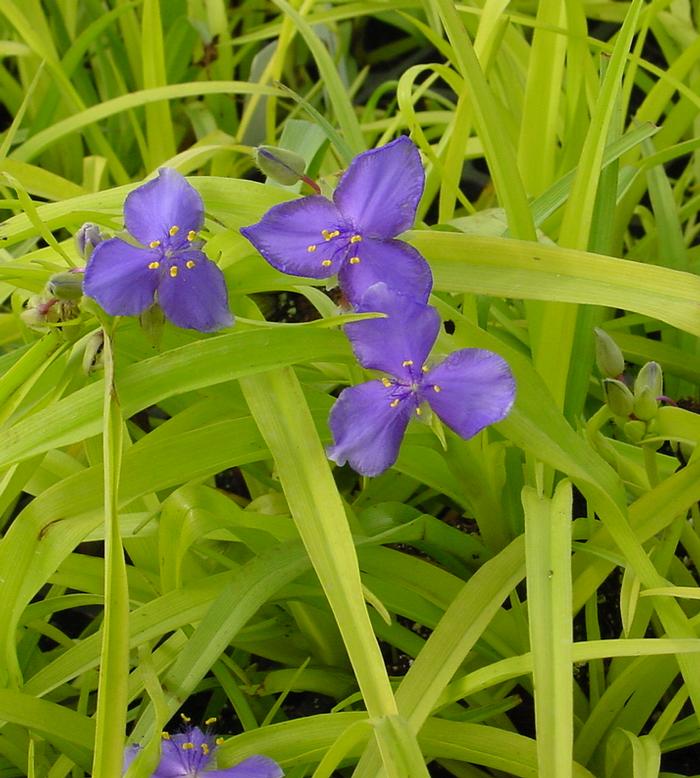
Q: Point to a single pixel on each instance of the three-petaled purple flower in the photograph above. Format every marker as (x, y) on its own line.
(191, 754)
(469, 390)
(165, 216)
(354, 235)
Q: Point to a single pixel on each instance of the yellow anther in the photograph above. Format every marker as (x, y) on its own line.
(354, 260)
(165, 735)
(205, 749)
(189, 265)
(407, 363)
(330, 234)
(437, 388)
(191, 235)
(154, 244)
(186, 719)
(386, 382)
(174, 229)
(219, 741)
(356, 239)
(425, 368)
(153, 265)
(173, 274)
(394, 403)
(311, 248)
(326, 263)
(418, 411)
(210, 721)
(187, 746)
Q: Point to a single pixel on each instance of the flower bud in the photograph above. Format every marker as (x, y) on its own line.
(34, 319)
(635, 430)
(645, 404)
(65, 286)
(87, 237)
(281, 165)
(608, 356)
(93, 354)
(618, 397)
(650, 376)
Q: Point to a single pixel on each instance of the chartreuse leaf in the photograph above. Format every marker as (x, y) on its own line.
(280, 410)
(112, 699)
(548, 547)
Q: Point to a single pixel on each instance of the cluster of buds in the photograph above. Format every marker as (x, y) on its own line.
(633, 409)
(58, 303)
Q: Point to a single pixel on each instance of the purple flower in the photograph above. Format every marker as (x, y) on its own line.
(169, 267)
(191, 754)
(353, 236)
(469, 390)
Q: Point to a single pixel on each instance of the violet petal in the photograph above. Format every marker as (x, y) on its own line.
(406, 334)
(161, 203)
(392, 262)
(193, 293)
(367, 430)
(253, 767)
(476, 388)
(381, 189)
(118, 277)
(291, 237)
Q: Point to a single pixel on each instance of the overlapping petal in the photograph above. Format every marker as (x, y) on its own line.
(406, 334)
(118, 277)
(367, 430)
(392, 262)
(476, 388)
(166, 201)
(196, 297)
(253, 767)
(381, 189)
(287, 232)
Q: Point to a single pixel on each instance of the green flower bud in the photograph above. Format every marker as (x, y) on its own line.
(608, 356)
(650, 376)
(645, 404)
(635, 430)
(34, 319)
(92, 356)
(65, 286)
(281, 165)
(618, 397)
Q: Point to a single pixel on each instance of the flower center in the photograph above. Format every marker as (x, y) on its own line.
(170, 250)
(336, 241)
(413, 388)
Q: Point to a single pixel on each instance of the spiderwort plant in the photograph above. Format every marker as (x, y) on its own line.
(469, 390)
(192, 753)
(355, 234)
(165, 216)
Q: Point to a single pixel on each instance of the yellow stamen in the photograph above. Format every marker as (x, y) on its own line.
(407, 363)
(418, 411)
(386, 382)
(210, 721)
(173, 274)
(219, 741)
(205, 749)
(326, 263)
(154, 244)
(425, 368)
(330, 234)
(186, 719)
(191, 235)
(174, 229)
(153, 265)
(394, 403)
(165, 735)
(190, 264)
(354, 260)
(356, 239)
(311, 248)
(187, 746)
(437, 388)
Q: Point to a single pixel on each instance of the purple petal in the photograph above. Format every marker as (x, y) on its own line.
(118, 277)
(476, 388)
(381, 189)
(392, 262)
(164, 202)
(196, 297)
(291, 237)
(254, 767)
(366, 429)
(406, 334)
(130, 753)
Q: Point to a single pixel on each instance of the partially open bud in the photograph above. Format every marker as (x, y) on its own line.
(650, 377)
(66, 286)
(87, 237)
(34, 319)
(618, 397)
(608, 356)
(281, 165)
